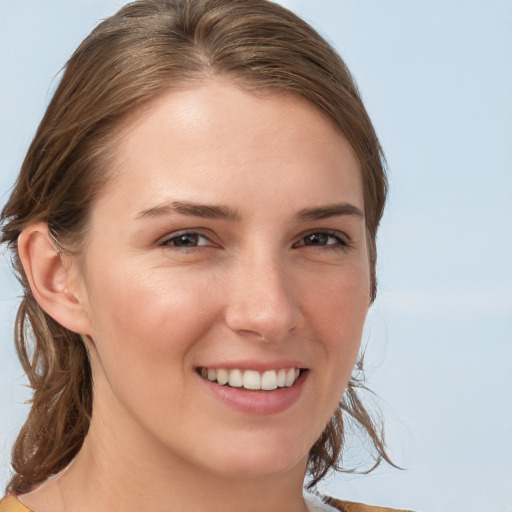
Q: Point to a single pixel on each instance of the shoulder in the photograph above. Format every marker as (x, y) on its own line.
(12, 504)
(318, 503)
(349, 506)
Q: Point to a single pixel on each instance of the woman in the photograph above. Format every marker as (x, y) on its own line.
(194, 226)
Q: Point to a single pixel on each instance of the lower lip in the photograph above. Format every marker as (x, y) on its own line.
(258, 402)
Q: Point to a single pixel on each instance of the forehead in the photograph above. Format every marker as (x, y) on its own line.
(216, 139)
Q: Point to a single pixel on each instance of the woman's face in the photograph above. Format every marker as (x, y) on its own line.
(230, 244)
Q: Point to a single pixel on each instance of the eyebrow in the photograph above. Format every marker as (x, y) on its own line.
(191, 209)
(208, 211)
(326, 212)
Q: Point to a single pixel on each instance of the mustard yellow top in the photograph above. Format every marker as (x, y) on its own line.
(12, 504)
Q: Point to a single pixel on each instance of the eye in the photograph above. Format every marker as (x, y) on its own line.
(186, 239)
(329, 239)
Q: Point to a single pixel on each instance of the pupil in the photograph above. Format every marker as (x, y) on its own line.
(317, 239)
(187, 240)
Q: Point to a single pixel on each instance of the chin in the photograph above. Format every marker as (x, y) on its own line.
(260, 467)
(259, 457)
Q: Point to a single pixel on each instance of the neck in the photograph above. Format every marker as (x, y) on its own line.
(112, 472)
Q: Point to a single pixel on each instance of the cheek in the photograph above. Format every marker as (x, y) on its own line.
(150, 316)
(339, 302)
(337, 312)
(147, 328)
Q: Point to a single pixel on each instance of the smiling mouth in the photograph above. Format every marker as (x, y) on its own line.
(252, 379)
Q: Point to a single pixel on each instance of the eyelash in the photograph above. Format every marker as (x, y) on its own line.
(342, 241)
(167, 242)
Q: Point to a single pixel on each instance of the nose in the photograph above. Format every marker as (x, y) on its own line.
(261, 300)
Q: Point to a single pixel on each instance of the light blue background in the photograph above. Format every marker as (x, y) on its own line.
(436, 77)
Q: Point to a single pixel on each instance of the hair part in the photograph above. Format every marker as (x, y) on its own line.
(148, 48)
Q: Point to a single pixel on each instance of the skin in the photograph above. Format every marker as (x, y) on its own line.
(253, 289)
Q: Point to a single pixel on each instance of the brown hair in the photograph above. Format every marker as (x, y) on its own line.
(147, 48)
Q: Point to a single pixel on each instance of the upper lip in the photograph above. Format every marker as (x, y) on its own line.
(260, 366)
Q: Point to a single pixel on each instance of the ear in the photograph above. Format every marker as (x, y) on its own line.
(53, 278)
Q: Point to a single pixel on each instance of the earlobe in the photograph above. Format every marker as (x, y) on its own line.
(49, 276)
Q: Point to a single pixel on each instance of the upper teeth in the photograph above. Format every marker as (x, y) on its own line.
(252, 379)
